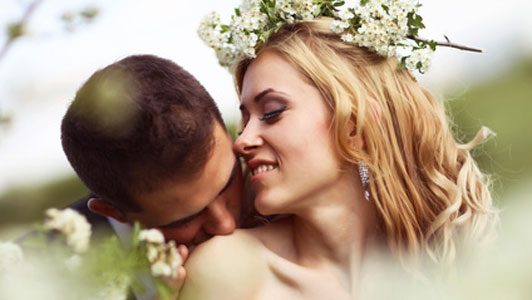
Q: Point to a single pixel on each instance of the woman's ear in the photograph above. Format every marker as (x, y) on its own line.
(101, 207)
(355, 140)
(358, 141)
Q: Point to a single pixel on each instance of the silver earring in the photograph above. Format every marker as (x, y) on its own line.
(364, 177)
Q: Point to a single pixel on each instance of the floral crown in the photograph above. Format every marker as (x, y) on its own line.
(388, 27)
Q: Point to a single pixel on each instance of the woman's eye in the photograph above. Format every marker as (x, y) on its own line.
(272, 114)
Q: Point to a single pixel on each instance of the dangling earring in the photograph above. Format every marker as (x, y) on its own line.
(364, 177)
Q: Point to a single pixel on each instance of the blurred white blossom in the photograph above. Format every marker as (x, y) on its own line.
(72, 224)
(151, 236)
(10, 255)
(163, 257)
(161, 268)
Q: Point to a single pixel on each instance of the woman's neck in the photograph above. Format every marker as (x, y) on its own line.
(335, 228)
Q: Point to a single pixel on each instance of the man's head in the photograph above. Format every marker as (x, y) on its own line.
(148, 140)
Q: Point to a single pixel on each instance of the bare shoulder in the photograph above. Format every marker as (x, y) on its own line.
(225, 267)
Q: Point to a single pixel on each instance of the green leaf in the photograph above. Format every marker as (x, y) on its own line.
(317, 11)
(237, 11)
(135, 237)
(386, 8)
(163, 289)
(263, 7)
(225, 28)
(432, 44)
(364, 2)
(338, 3)
(402, 65)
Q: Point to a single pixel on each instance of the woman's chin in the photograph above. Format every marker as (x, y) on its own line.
(268, 205)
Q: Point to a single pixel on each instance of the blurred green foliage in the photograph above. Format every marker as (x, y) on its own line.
(504, 104)
(26, 204)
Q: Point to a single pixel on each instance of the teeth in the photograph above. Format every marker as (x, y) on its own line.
(262, 168)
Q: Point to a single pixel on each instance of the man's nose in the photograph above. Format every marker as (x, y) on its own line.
(219, 219)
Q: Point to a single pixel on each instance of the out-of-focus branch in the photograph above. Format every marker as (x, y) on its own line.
(446, 44)
(16, 29)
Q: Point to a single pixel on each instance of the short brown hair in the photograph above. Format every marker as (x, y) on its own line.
(136, 124)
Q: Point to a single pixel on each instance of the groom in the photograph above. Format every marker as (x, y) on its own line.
(148, 141)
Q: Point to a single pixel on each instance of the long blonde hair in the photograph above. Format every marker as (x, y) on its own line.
(427, 189)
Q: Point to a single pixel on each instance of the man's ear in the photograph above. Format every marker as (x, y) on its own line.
(101, 207)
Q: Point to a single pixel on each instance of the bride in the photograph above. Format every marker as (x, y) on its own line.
(319, 115)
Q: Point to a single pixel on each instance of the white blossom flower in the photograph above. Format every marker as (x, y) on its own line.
(72, 224)
(250, 5)
(174, 258)
(420, 56)
(10, 255)
(410, 63)
(346, 15)
(305, 8)
(381, 26)
(161, 268)
(210, 20)
(151, 236)
(348, 38)
(338, 26)
(408, 5)
(164, 259)
(227, 54)
(285, 6)
(151, 252)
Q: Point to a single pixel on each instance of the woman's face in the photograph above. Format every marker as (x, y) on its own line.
(286, 139)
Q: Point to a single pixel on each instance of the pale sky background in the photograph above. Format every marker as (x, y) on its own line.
(42, 71)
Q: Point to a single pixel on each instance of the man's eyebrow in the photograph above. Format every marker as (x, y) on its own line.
(191, 217)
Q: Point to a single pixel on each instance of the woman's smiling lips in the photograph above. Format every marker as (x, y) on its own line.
(259, 168)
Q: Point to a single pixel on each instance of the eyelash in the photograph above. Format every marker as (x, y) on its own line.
(268, 116)
(273, 114)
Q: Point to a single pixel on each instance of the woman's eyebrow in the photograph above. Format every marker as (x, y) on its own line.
(261, 95)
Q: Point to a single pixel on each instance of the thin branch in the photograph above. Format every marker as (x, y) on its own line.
(27, 14)
(5, 48)
(446, 44)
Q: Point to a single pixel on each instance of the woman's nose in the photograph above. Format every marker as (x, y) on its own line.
(248, 140)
